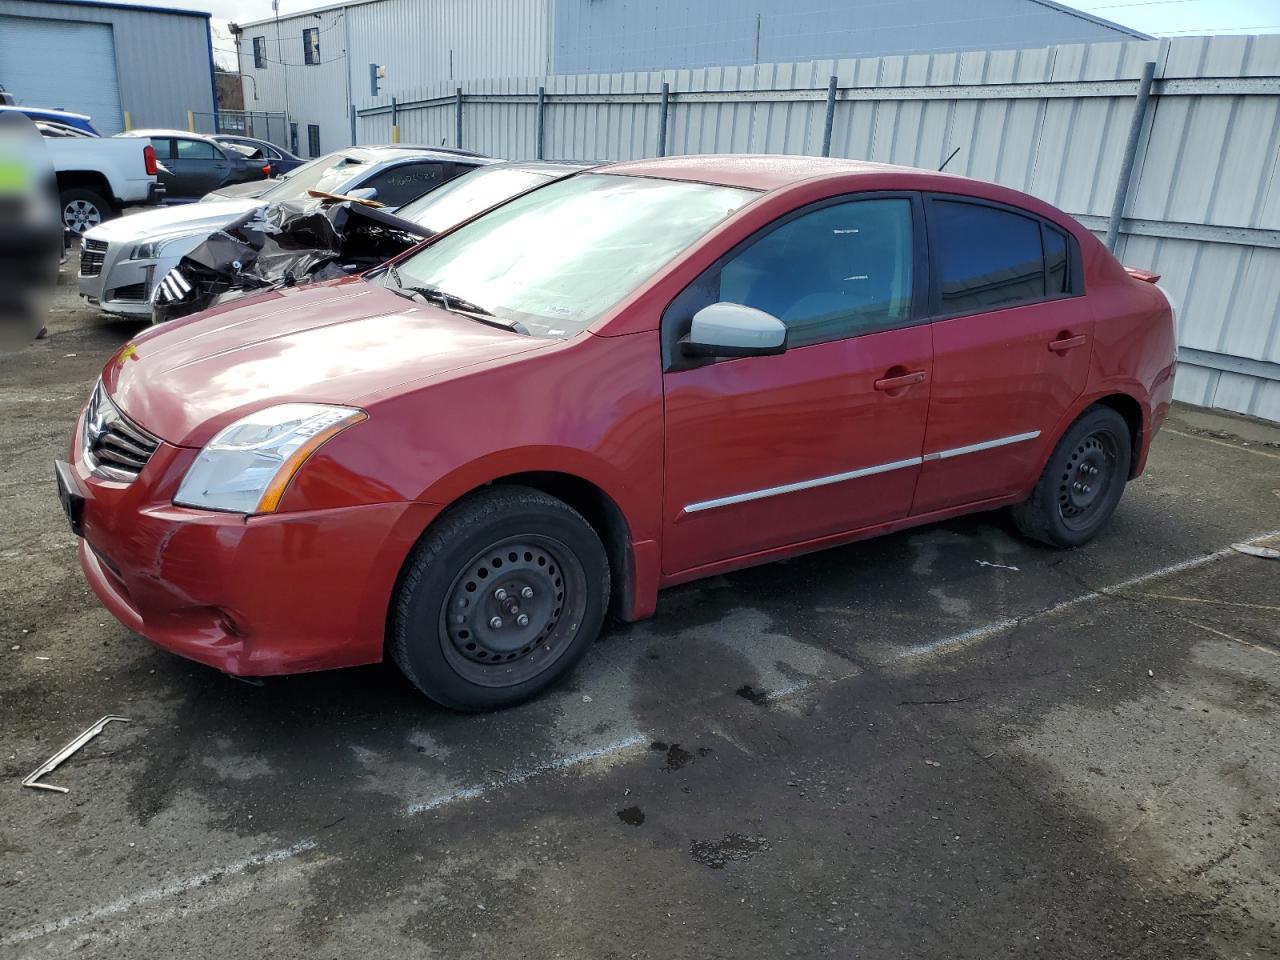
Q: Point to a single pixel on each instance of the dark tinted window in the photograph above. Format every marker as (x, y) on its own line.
(398, 185)
(313, 139)
(311, 45)
(1057, 276)
(259, 52)
(986, 258)
(836, 272)
(163, 147)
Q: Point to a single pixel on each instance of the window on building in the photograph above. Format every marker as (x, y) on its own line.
(313, 139)
(293, 139)
(311, 45)
(986, 258)
(259, 53)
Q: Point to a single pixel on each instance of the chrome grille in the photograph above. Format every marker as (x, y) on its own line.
(92, 255)
(172, 288)
(114, 447)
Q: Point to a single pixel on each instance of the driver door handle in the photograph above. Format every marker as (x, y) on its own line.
(897, 383)
(1068, 343)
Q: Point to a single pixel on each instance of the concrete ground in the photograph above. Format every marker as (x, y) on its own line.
(945, 743)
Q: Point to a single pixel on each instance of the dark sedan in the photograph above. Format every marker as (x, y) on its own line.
(280, 161)
(191, 165)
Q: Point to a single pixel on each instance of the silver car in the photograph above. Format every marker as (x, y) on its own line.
(122, 260)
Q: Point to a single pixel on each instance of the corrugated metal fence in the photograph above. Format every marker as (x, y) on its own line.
(1203, 204)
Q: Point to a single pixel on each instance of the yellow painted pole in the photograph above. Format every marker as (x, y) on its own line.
(395, 134)
(128, 121)
(191, 120)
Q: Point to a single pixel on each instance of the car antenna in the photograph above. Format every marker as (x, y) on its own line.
(948, 160)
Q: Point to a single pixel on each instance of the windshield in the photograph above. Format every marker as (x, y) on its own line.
(466, 196)
(323, 173)
(557, 258)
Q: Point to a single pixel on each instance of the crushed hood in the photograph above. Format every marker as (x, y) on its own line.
(163, 221)
(344, 342)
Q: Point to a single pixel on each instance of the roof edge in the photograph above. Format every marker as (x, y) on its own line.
(116, 5)
(1100, 21)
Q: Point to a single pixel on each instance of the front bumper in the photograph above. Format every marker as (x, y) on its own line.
(120, 285)
(284, 593)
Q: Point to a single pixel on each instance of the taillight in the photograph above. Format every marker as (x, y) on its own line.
(266, 169)
(149, 158)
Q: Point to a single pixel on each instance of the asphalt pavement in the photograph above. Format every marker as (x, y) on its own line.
(944, 743)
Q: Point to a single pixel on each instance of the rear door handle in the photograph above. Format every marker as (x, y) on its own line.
(1068, 343)
(897, 383)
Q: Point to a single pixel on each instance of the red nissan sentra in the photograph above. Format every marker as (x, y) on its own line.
(637, 376)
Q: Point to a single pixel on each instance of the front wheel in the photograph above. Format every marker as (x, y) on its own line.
(499, 599)
(1082, 482)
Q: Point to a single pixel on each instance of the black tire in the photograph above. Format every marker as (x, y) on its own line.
(83, 209)
(506, 554)
(1082, 482)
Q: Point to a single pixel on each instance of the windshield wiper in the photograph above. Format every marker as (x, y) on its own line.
(453, 304)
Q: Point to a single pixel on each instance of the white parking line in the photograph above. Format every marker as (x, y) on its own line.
(1223, 443)
(608, 751)
(959, 641)
(155, 894)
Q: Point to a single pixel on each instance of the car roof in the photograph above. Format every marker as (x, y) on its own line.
(161, 132)
(762, 171)
(381, 152)
(51, 112)
(557, 167)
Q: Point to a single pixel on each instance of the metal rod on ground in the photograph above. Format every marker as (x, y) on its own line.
(457, 119)
(541, 129)
(1130, 153)
(831, 116)
(662, 119)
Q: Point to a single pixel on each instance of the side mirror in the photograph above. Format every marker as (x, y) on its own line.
(734, 330)
(363, 193)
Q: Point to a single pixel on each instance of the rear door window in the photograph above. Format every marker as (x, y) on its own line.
(1057, 274)
(987, 258)
(195, 150)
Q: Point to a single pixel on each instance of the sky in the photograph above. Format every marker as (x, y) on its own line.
(1157, 17)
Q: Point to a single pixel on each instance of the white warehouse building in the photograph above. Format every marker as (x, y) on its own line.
(315, 66)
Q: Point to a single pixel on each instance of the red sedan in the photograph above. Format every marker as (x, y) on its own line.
(634, 377)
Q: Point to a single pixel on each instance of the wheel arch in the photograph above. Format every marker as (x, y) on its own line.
(87, 180)
(1131, 410)
(583, 491)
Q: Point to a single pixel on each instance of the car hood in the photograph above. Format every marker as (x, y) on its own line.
(164, 221)
(252, 188)
(348, 342)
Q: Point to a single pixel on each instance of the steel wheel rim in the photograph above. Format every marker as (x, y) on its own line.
(529, 578)
(1086, 479)
(81, 215)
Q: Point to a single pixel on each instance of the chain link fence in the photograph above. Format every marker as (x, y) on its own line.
(260, 124)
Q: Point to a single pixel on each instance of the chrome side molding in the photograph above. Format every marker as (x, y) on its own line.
(702, 505)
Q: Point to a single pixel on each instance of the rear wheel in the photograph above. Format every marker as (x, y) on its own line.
(1082, 482)
(83, 209)
(499, 599)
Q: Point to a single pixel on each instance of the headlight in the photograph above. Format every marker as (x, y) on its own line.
(247, 467)
(152, 248)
